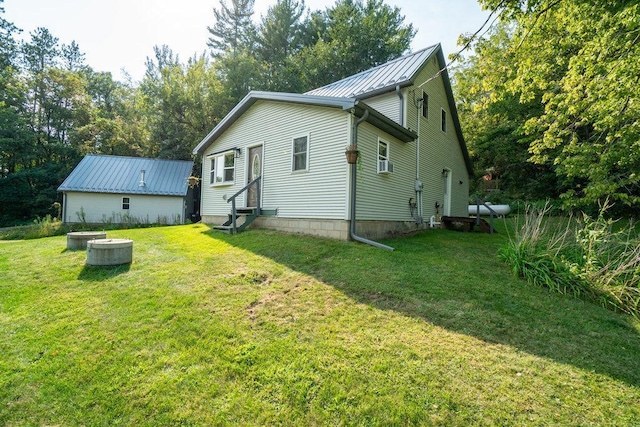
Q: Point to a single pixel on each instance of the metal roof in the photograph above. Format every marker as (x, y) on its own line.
(382, 78)
(122, 175)
(342, 103)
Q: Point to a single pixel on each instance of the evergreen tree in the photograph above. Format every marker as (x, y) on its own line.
(233, 29)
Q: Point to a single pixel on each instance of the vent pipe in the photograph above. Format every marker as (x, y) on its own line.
(142, 182)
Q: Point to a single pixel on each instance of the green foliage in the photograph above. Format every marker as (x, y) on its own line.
(586, 259)
(493, 119)
(576, 60)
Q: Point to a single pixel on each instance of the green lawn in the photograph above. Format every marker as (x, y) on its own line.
(270, 329)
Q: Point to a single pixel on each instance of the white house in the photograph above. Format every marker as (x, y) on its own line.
(103, 189)
(413, 162)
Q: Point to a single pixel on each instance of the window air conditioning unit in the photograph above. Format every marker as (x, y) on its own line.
(385, 166)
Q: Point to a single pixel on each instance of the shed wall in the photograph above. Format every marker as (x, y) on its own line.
(106, 207)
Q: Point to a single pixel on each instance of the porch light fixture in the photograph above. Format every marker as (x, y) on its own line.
(236, 153)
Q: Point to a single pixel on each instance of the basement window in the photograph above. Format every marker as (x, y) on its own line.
(223, 169)
(125, 203)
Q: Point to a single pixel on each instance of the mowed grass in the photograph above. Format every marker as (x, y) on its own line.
(265, 328)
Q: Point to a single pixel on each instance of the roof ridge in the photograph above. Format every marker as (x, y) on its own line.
(136, 157)
(400, 58)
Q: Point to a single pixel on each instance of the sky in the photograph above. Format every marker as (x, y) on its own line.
(118, 35)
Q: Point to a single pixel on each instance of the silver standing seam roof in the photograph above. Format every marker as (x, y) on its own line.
(122, 175)
(379, 79)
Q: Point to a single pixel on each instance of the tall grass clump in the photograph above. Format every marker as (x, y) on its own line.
(585, 257)
(41, 227)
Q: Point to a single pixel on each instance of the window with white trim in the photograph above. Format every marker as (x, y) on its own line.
(300, 158)
(443, 121)
(384, 164)
(223, 168)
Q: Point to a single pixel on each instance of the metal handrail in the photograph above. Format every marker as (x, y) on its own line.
(491, 213)
(232, 199)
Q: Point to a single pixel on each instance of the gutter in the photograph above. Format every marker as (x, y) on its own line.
(352, 196)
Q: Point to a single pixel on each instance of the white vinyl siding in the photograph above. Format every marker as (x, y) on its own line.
(106, 207)
(388, 104)
(384, 196)
(438, 150)
(319, 193)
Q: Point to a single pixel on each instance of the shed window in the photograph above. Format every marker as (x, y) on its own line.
(125, 203)
(300, 160)
(223, 169)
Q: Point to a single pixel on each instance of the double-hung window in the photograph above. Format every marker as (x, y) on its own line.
(125, 203)
(384, 164)
(300, 158)
(222, 168)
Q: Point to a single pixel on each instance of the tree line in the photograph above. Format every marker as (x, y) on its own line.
(550, 102)
(54, 108)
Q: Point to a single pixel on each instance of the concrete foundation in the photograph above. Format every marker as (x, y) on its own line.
(331, 228)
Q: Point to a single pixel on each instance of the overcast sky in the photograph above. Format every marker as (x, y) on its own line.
(119, 35)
